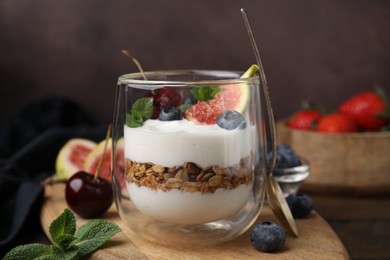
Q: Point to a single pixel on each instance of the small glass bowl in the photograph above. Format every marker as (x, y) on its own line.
(290, 179)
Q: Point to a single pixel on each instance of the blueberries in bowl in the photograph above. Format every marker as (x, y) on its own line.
(285, 157)
(300, 204)
(170, 114)
(231, 119)
(268, 237)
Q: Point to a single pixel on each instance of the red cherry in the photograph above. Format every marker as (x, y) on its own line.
(164, 97)
(88, 197)
(167, 97)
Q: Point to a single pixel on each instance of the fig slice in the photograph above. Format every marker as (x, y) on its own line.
(71, 157)
(231, 97)
(93, 158)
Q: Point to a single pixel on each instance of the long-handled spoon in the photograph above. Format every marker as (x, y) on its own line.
(274, 194)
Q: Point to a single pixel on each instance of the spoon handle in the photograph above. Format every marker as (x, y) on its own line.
(275, 195)
(263, 82)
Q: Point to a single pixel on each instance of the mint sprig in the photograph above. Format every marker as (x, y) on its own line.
(184, 107)
(205, 93)
(141, 111)
(62, 227)
(67, 243)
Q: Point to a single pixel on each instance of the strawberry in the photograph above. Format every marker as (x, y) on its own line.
(305, 119)
(337, 123)
(367, 109)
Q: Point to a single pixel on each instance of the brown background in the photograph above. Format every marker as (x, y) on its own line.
(322, 51)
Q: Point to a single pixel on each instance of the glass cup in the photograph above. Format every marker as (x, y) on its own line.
(187, 169)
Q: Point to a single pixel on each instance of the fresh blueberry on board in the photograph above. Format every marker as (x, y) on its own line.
(300, 204)
(231, 119)
(170, 114)
(268, 237)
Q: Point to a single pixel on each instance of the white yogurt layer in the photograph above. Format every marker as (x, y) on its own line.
(181, 207)
(172, 143)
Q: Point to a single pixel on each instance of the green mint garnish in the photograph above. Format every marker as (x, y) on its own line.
(30, 251)
(94, 234)
(184, 107)
(67, 243)
(205, 93)
(64, 225)
(141, 111)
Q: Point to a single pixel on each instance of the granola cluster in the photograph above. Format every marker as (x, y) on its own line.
(189, 177)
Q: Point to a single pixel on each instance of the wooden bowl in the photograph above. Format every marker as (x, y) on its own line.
(349, 164)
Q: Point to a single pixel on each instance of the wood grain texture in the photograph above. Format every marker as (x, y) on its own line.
(353, 163)
(317, 239)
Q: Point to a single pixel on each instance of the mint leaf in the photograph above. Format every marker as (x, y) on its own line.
(67, 244)
(141, 111)
(184, 107)
(30, 251)
(144, 106)
(70, 253)
(205, 93)
(94, 234)
(134, 119)
(64, 224)
(65, 241)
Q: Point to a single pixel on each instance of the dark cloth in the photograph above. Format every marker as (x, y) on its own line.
(29, 144)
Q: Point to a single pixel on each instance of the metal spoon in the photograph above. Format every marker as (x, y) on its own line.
(275, 195)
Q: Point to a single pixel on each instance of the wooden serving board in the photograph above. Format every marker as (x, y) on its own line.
(316, 240)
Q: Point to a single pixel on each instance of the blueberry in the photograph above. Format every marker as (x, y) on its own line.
(170, 114)
(285, 157)
(300, 205)
(230, 120)
(190, 100)
(268, 237)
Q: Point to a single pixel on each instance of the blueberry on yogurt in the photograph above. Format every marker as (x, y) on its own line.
(190, 100)
(230, 120)
(170, 114)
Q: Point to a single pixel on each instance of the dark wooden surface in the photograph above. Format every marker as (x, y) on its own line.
(363, 224)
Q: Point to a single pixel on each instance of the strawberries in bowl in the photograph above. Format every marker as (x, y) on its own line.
(367, 111)
(347, 148)
(337, 123)
(305, 119)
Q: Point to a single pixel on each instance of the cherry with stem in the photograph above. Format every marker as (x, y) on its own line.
(89, 195)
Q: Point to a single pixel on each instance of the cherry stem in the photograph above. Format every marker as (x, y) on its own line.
(52, 180)
(103, 154)
(127, 53)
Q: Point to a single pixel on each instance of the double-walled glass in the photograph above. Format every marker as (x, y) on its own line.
(182, 174)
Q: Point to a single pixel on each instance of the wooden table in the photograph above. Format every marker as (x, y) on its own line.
(317, 240)
(363, 224)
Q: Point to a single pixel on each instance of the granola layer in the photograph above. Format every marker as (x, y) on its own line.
(190, 177)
